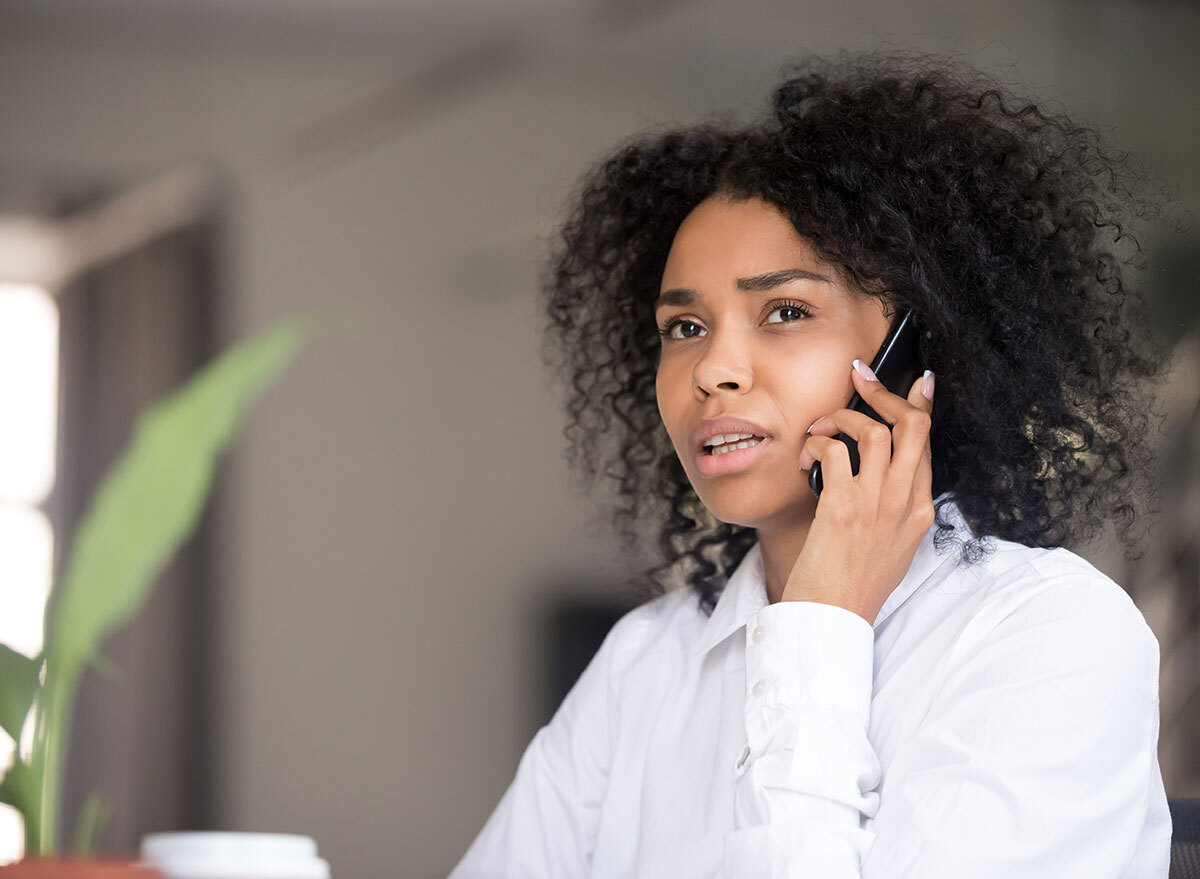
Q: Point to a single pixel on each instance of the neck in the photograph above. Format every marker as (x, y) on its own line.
(780, 540)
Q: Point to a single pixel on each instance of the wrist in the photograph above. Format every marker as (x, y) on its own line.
(801, 592)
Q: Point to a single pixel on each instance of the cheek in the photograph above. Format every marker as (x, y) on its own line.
(810, 384)
(668, 406)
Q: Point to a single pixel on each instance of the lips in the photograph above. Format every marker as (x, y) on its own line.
(724, 424)
(712, 466)
(711, 449)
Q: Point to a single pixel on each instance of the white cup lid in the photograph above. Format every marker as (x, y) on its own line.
(207, 854)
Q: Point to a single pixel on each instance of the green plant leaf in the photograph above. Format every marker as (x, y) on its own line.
(20, 789)
(151, 500)
(92, 818)
(145, 508)
(18, 683)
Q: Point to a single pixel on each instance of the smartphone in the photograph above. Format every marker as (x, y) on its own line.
(897, 364)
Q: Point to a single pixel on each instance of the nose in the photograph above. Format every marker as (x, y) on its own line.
(723, 367)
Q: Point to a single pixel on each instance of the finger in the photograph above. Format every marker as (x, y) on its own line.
(834, 458)
(874, 441)
(910, 433)
(911, 458)
(888, 405)
(925, 467)
(921, 486)
(924, 480)
(916, 394)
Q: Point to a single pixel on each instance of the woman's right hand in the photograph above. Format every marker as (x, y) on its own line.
(867, 527)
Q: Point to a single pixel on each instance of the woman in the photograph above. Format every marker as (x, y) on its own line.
(911, 676)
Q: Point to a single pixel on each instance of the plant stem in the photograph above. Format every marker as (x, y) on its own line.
(50, 746)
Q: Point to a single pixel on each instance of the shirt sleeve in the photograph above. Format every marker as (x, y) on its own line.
(807, 775)
(1035, 758)
(544, 826)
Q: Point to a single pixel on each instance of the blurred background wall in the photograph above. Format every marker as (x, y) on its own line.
(392, 526)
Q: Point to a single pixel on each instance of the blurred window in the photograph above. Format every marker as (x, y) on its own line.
(28, 445)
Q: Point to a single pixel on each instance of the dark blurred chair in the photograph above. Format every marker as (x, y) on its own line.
(1185, 837)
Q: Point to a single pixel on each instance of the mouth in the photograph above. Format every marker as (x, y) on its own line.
(729, 447)
(731, 457)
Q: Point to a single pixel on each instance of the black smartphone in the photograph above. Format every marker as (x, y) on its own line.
(897, 364)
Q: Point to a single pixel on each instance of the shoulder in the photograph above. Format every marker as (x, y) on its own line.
(1049, 582)
(660, 624)
(1055, 604)
(1061, 575)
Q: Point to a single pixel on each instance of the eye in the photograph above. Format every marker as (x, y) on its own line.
(789, 306)
(666, 330)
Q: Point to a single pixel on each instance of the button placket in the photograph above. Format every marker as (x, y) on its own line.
(759, 688)
(759, 681)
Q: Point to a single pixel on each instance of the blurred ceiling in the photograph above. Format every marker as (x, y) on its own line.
(428, 55)
(411, 22)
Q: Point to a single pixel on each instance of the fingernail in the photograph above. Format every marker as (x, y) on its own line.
(927, 387)
(814, 424)
(864, 370)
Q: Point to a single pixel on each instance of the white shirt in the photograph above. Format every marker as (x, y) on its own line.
(999, 720)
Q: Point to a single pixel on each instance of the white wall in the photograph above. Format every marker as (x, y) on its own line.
(399, 503)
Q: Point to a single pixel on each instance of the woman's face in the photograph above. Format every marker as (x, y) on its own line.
(745, 349)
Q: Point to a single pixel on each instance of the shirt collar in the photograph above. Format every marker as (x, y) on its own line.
(745, 592)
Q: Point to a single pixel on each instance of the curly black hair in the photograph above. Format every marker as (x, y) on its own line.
(1005, 226)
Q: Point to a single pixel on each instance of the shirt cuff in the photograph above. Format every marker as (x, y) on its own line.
(809, 654)
(807, 775)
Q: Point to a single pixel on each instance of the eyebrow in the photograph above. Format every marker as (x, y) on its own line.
(754, 284)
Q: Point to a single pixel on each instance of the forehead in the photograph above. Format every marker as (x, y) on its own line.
(723, 242)
(742, 237)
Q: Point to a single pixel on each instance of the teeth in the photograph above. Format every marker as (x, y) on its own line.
(727, 438)
(721, 450)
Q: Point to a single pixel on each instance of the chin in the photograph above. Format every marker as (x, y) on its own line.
(735, 508)
(751, 503)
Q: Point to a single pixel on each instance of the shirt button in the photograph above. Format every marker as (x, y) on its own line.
(759, 687)
(758, 634)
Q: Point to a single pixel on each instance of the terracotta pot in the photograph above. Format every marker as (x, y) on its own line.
(79, 868)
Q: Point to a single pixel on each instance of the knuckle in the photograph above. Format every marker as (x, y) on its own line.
(918, 420)
(924, 513)
(839, 450)
(877, 434)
